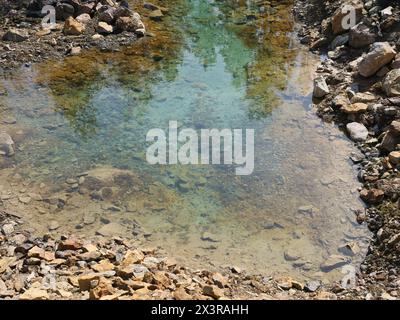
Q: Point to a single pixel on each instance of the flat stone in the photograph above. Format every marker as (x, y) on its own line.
(111, 229)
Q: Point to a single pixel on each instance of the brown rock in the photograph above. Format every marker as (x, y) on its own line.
(339, 17)
(104, 288)
(69, 244)
(103, 266)
(394, 157)
(73, 27)
(34, 294)
(219, 280)
(372, 196)
(354, 108)
(86, 282)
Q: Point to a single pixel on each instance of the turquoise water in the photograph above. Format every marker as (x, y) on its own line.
(218, 67)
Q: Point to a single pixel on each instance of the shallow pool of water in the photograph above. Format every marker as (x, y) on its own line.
(215, 66)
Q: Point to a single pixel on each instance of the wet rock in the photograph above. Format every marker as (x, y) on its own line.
(321, 89)
(89, 218)
(213, 291)
(308, 209)
(272, 225)
(110, 230)
(290, 255)
(372, 196)
(73, 27)
(381, 54)
(54, 225)
(360, 36)
(350, 249)
(15, 35)
(357, 131)
(156, 15)
(209, 237)
(391, 84)
(333, 262)
(6, 145)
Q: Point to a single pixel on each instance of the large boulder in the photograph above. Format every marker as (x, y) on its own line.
(381, 54)
(391, 84)
(7, 147)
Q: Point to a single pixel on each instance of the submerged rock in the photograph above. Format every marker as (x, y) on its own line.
(6, 145)
(334, 261)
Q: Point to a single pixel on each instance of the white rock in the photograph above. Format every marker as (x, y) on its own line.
(357, 131)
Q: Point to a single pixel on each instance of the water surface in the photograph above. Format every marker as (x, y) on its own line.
(213, 66)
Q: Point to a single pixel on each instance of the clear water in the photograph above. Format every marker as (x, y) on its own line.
(206, 69)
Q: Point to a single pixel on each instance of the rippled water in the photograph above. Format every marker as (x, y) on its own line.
(213, 66)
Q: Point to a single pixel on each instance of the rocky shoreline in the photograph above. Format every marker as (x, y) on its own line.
(366, 107)
(105, 25)
(357, 88)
